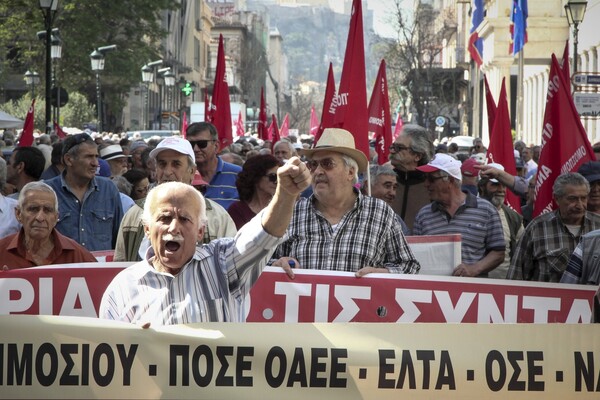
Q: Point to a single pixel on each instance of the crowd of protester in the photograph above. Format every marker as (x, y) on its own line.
(62, 200)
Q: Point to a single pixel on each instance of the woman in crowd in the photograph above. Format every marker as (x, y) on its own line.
(256, 185)
(139, 179)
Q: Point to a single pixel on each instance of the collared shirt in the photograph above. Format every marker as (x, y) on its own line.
(93, 222)
(584, 265)
(66, 251)
(543, 251)
(211, 287)
(368, 235)
(477, 221)
(222, 188)
(8, 219)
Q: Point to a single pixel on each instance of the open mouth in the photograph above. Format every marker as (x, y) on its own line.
(172, 246)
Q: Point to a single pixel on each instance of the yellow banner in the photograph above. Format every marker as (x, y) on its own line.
(70, 357)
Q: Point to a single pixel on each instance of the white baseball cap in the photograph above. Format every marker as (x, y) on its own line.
(443, 162)
(176, 143)
(497, 166)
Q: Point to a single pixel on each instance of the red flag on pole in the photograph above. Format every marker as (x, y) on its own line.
(328, 106)
(565, 145)
(220, 105)
(565, 64)
(184, 125)
(284, 130)
(398, 128)
(26, 139)
(380, 120)
(351, 111)
(59, 132)
(207, 110)
(314, 121)
(273, 131)
(262, 117)
(491, 106)
(239, 125)
(500, 149)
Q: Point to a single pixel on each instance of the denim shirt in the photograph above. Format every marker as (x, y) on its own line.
(93, 223)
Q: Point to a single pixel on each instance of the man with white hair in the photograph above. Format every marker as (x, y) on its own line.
(337, 228)
(453, 211)
(283, 150)
(179, 282)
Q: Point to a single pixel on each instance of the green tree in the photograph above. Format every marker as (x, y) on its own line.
(133, 25)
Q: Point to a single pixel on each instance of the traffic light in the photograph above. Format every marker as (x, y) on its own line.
(187, 89)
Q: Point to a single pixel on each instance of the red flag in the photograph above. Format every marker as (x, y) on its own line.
(500, 149)
(380, 120)
(351, 101)
(314, 121)
(490, 105)
(399, 126)
(207, 110)
(184, 125)
(26, 139)
(565, 64)
(273, 130)
(284, 130)
(239, 125)
(565, 145)
(220, 105)
(262, 117)
(328, 106)
(59, 132)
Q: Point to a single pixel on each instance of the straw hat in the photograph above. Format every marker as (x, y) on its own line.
(339, 141)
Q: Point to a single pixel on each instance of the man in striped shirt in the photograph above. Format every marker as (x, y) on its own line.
(179, 282)
(452, 211)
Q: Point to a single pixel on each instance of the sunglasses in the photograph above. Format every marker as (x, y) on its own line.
(75, 140)
(272, 177)
(327, 164)
(430, 178)
(200, 143)
(397, 148)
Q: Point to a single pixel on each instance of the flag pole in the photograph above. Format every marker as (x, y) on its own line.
(519, 111)
(476, 123)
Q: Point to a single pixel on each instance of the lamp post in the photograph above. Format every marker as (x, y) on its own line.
(97, 58)
(147, 78)
(32, 79)
(48, 8)
(169, 77)
(575, 10)
(56, 54)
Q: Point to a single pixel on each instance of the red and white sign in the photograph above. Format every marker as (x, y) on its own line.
(322, 296)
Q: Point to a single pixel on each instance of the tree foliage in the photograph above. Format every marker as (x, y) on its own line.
(133, 25)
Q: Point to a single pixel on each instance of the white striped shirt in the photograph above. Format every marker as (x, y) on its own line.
(211, 287)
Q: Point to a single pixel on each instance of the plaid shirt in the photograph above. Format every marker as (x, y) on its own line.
(543, 251)
(367, 235)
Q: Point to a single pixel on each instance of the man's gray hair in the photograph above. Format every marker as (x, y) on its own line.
(421, 142)
(169, 187)
(351, 163)
(37, 186)
(289, 144)
(570, 178)
(376, 171)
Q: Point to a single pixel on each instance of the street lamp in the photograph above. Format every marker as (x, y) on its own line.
(147, 78)
(56, 54)
(97, 58)
(169, 77)
(48, 8)
(575, 10)
(32, 79)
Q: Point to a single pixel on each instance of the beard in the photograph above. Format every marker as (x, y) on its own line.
(497, 201)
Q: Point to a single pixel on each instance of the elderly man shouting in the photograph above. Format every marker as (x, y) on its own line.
(180, 282)
(338, 228)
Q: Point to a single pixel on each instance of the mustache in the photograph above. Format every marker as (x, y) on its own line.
(167, 237)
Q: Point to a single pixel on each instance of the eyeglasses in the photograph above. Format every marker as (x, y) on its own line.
(272, 177)
(327, 164)
(430, 178)
(200, 143)
(397, 148)
(75, 140)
